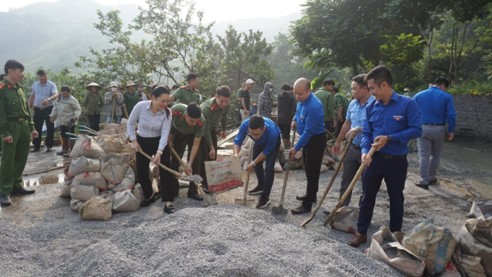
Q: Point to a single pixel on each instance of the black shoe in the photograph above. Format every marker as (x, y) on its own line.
(433, 182)
(195, 196)
(262, 203)
(5, 200)
(205, 189)
(145, 203)
(255, 191)
(422, 185)
(301, 210)
(155, 196)
(169, 209)
(22, 191)
(60, 153)
(327, 212)
(48, 149)
(304, 197)
(35, 149)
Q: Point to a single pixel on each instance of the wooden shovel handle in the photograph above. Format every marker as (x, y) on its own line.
(175, 173)
(286, 176)
(175, 154)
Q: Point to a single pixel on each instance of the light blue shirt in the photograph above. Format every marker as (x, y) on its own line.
(150, 125)
(356, 114)
(43, 91)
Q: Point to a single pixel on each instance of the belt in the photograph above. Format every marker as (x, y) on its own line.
(389, 156)
(356, 146)
(19, 119)
(434, 124)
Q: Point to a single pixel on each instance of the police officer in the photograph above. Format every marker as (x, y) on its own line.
(188, 128)
(189, 93)
(16, 130)
(328, 100)
(214, 110)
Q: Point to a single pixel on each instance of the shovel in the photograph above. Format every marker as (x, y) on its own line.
(196, 179)
(191, 178)
(245, 201)
(280, 210)
(333, 177)
(331, 217)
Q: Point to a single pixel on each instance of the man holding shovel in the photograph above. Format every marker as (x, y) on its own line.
(352, 128)
(392, 120)
(266, 135)
(213, 110)
(188, 128)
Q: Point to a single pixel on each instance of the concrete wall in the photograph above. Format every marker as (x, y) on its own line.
(474, 117)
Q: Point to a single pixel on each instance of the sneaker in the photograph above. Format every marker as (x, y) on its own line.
(255, 191)
(262, 203)
(169, 209)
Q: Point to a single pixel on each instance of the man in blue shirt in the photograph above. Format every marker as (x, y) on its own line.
(352, 128)
(44, 93)
(266, 135)
(392, 120)
(437, 108)
(311, 128)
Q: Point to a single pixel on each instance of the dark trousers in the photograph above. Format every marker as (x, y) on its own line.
(312, 155)
(43, 116)
(204, 149)
(350, 166)
(394, 172)
(265, 176)
(180, 142)
(149, 146)
(94, 121)
(284, 129)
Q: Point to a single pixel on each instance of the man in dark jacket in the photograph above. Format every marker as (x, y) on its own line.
(286, 111)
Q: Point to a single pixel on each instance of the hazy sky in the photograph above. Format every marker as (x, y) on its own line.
(218, 10)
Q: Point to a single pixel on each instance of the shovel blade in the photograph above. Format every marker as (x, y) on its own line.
(192, 178)
(280, 210)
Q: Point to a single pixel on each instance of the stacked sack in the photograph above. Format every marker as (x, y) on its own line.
(100, 179)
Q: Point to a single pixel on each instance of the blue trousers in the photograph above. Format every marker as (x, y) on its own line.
(394, 172)
(265, 176)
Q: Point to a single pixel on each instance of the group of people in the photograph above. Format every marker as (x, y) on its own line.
(163, 126)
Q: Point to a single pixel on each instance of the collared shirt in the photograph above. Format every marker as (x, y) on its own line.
(328, 101)
(66, 109)
(179, 122)
(268, 139)
(213, 114)
(13, 105)
(43, 91)
(309, 119)
(150, 125)
(356, 114)
(437, 107)
(400, 119)
(184, 96)
(93, 102)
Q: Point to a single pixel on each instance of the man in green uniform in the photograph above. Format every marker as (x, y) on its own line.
(189, 93)
(213, 110)
(131, 97)
(328, 100)
(341, 105)
(16, 130)
(188, 128)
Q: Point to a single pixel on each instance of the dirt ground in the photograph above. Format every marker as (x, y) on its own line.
(39, 232)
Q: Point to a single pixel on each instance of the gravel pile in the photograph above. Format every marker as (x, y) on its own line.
(219, 241)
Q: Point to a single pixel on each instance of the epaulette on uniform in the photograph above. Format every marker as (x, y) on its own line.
(214, 107)
(177, 113)
(2, 85)
(199, 123)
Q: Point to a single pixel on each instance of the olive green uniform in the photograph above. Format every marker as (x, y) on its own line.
(15, 121)
(328, 101)
(340, 101)
(212, 114)
(183, 135)
(131, 99)
(185, 96)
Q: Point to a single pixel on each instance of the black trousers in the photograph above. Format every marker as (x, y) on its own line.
(43, 116)
(180, 142)
(204, 149)
(149, 146)
(94, 121)
(312, 157)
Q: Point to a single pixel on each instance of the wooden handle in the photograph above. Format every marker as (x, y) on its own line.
(175, 173)
(286, 176)
(175, 154)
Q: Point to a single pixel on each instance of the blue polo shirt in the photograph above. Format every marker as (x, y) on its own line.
(309, 119)
(400, 119)
(356, 114)
(268, 139)
(436, 107)
(43, 91)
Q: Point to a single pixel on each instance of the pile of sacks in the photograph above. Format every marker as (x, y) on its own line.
(101, 176)
(433, 250)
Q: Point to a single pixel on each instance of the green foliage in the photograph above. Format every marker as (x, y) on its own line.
(473, 88)
(402, 49)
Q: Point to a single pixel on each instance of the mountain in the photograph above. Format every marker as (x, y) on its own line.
(54, 35)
